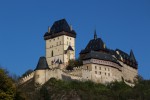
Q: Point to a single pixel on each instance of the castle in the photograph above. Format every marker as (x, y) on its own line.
(100, 64)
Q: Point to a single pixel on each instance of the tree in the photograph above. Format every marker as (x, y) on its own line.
(74, 63)
(7, 87)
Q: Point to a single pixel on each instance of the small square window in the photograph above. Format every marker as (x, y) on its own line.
(99, 68)
(95, 72)
(99, 73)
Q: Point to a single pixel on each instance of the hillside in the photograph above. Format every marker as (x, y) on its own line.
(73, 90)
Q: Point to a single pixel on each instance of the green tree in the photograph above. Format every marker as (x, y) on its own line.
(74, 63)
(7, 87)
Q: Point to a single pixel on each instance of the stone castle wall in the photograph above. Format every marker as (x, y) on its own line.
(26, 78)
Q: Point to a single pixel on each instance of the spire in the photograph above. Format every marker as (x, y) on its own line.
(70, 27)
(132, 56)
(95, 35)
(49, 29)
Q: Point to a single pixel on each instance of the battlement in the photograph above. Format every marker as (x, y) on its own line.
(26, 78)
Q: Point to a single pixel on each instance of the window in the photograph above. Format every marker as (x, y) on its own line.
(105, 73)
(99, 68)
(105, 68)
(108, 74)
(99, 73)
(52, 53)
(108, 69)
(58, 38)
(70, 38)
(54, 39)
(95, 72)
(95, 67)
(86, 67)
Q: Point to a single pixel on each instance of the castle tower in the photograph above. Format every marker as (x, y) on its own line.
(41, 71)
(60, 43)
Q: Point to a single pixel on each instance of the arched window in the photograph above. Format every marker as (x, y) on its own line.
(52, 53)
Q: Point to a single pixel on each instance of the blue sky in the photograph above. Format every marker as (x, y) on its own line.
(123, 24)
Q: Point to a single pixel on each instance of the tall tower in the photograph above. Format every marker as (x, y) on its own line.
(60, 43)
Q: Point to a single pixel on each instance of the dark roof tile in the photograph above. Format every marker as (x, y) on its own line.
(42, 64)
(60, 27)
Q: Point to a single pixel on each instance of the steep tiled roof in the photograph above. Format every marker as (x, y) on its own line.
(128, 59)
(101, 56)
(60, 27)
(95, 45)
(42, 64)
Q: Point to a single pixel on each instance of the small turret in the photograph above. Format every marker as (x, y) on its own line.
(41, 71)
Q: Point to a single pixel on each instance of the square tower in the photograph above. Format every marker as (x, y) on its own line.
(60, 43)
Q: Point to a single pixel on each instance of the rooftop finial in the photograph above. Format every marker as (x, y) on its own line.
(95, 35)
(49, 29)
(70, 27)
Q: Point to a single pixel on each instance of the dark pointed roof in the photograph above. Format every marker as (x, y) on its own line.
(42, 64)
(70, 48)
(101, 56)
(95, 45)
(132, 56)
(60, 27)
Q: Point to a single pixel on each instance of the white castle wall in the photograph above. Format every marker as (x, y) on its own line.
(26, 78)
(101, 71)
(129, 73)
(58, 45)
(42, 76)
(95, 70)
